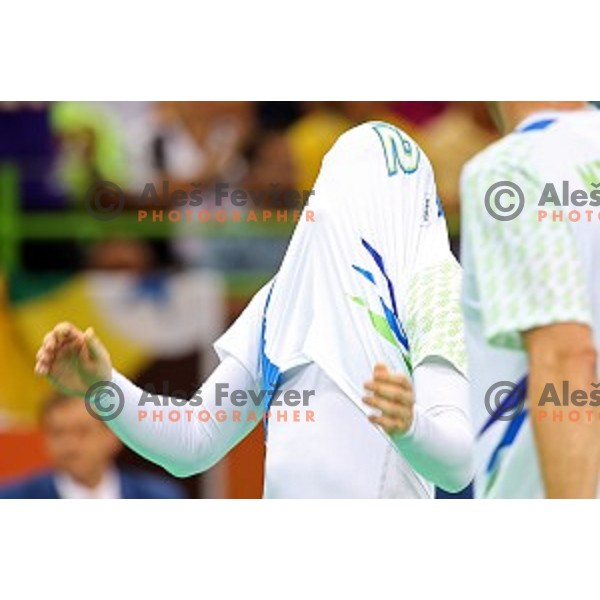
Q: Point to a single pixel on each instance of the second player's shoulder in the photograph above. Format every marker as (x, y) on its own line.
(501, 156)
(528, 148)
(517, 158)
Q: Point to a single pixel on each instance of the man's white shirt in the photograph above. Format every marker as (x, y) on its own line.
(108, 488)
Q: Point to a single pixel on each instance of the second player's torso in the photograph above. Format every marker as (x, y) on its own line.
(568, 151)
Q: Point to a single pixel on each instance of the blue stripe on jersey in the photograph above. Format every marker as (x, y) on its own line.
(395, 325)
(507, 439)
(270, 373)
(537, 125)
(514, 401)
(440, 206)
(391, 314)
(365, 273)
(379, 261)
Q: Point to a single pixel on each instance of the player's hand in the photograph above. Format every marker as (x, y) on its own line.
(392, 394)
(73, 360)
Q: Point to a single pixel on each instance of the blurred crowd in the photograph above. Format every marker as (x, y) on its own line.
(62, 148)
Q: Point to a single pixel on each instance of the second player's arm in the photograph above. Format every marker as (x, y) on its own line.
(534, 296)
(569, 448)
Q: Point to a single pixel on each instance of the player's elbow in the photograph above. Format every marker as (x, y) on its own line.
(190, 465)
(460, 468)
(457, 481)
(458, 476)
(181, 471)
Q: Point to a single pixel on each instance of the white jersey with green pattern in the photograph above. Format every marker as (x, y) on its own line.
(530, 259)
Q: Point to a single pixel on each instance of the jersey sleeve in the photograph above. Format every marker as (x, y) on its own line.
(527, 272)
(434, 318)
(434, 321)
(242, 339)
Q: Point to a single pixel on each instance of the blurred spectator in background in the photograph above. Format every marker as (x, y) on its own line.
(28, 147)
(90, 147)
(360, 112)
(450, 139)
(418, 112)
(277, 115)
(27, 142)
(269, 184)
(272, 171)
(137, 123)
(201, 141)
(59, 149)
(126, 255)
(83, 452)
(312, 135)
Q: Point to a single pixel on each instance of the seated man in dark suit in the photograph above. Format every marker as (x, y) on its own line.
(83, 451)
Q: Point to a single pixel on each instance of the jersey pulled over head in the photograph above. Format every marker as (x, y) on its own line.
(370, 278)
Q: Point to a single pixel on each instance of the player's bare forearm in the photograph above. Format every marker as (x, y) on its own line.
(568, 445)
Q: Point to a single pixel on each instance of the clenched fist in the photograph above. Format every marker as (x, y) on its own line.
(73, 360)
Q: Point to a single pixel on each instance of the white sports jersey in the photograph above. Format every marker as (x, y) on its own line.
(372, 279)
(535, 269)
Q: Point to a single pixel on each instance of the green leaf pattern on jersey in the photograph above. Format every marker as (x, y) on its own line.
(527, 273)
(434, 321)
